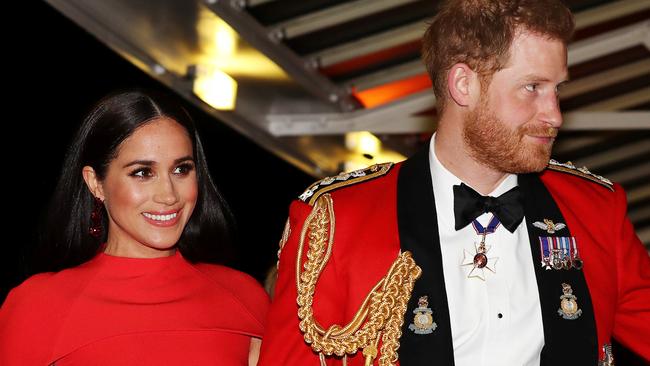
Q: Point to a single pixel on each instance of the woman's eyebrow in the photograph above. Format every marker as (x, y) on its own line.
(140, 162)
(151, 162)
(185, 158)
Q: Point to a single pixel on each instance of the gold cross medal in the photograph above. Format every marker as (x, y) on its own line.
(479, 261)
(423, 320)
(568, 305)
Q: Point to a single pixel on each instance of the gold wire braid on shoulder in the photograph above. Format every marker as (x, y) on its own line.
(311, 194)
(583, 172)
(381, 314)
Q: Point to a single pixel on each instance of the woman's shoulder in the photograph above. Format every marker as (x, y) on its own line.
(27, 301)
(239, 285)
(37, 282)
(35, 288)
(45, 290)
(33, 313)
(29, 293)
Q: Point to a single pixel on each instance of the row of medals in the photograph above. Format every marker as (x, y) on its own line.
(558, 260)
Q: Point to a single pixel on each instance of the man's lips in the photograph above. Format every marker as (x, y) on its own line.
(547, 134)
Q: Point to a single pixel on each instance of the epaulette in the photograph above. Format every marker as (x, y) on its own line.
(583, 172)
(311, 194)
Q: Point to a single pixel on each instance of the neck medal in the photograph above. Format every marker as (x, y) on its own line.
(423, 320)
(479, 260)
(568, 306)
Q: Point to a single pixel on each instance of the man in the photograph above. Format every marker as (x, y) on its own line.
(406, 263)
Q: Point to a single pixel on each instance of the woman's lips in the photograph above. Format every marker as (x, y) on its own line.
(162, 219)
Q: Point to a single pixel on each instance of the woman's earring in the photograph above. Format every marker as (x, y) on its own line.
(96, 219)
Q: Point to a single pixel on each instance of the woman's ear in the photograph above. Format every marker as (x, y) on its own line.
(92, 182)
(461, 83)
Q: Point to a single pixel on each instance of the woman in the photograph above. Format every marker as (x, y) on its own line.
(134, 220)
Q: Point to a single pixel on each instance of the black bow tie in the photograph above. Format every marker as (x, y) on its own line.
(469, 204)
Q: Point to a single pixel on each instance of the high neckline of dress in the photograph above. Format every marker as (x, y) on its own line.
(133, 265)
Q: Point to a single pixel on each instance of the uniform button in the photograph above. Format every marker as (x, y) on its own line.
(500, 315)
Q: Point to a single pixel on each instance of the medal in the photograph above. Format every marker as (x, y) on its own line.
(423, 319)
(565, 251)
(559, 252)
(556, 259)
(479, 260)
(568, 305)
(545, 248)
(576, 262)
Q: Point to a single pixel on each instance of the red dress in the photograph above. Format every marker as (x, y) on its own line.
(133, 311)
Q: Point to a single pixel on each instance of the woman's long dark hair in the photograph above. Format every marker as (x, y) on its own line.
(65, 240)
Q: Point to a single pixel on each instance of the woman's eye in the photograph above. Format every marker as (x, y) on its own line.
(184, 169)
(531, 87)
(141, 173)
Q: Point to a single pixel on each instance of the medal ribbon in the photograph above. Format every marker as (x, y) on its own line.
(574, 254)
(492, 226)
(545, 246)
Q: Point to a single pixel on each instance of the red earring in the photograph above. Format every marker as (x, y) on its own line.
(96, 219)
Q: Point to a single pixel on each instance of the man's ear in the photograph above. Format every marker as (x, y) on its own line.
(463, 84)
(93, 182)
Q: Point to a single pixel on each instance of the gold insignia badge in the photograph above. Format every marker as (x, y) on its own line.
(549, 226)
(568, 305)
(423, 320)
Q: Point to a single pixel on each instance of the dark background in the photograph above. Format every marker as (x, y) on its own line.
(55, 72)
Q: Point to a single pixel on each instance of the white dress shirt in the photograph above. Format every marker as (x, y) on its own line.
(496, 321)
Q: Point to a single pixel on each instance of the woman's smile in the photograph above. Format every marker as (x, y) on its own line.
(163, 219)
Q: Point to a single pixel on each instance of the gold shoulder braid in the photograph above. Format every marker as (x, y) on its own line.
(381, 314)
(311, 194)
(583, 172)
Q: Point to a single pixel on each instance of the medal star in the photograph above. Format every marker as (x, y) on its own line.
(477, 271)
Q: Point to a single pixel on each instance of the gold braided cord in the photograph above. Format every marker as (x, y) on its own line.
(380, 316)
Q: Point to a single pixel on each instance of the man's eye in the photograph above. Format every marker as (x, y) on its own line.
(531, 87)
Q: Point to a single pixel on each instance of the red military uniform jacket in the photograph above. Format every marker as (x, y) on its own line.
(385, 210)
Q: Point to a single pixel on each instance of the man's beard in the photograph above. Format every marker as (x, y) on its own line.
(493, 144)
